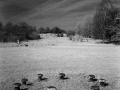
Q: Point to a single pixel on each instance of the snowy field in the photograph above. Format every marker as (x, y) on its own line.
(51, 56)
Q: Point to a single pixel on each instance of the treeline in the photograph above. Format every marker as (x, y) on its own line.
(54, 30)
(12, 32)
(104, 25)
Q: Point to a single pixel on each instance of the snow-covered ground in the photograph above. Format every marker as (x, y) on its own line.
(52, 55)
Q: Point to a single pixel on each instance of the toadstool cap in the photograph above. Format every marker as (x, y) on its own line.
(17, 84)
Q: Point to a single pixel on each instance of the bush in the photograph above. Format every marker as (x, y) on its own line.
(34, 35)
(70, 33)
(70, 37)
(76, 38)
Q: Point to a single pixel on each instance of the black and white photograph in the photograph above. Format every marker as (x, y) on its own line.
(59, 44)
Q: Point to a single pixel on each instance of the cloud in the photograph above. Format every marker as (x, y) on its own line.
(11, 8)
(62, 13)
(63, 8)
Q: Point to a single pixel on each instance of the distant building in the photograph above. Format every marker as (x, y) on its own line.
(64, 35)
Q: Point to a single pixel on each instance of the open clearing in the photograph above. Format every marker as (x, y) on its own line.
(51, 56)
